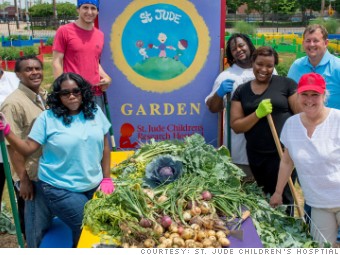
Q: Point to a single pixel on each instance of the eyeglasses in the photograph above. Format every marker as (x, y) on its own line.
(67, 93)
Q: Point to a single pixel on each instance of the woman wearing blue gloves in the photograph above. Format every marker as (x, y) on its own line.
(254, 100)
(75, 159)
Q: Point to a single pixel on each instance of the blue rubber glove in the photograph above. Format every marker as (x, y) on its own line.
(225, 88)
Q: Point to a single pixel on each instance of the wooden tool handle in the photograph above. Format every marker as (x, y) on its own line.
(245, 215)
(279, 150)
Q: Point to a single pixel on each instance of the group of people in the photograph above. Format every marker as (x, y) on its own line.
(59, 150)
(58, 142)
(305, 109)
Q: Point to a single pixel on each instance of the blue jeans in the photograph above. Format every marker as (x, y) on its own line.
(67, 206)
(38, 217)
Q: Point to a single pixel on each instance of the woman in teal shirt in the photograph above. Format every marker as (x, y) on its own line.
(75, 157)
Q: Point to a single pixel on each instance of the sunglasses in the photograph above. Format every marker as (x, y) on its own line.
(67, 93)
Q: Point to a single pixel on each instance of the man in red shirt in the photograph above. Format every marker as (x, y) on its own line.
(77, 48)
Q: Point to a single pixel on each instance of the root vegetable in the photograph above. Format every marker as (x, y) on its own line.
(162, 245)
(190, 205)
(125, 245)
(168, 243)
(208, 223)
(211, 232)
(179, 242)
(162, 199)
(206, 195)
(199, 245)
(196, 220)
(201, 235)
(195, 227)
(173, 235)
(149, 192)
(145, 223)
(173, 228)
(195, 210)
(207, 243)
(162, 239)
(180, 229)
(186, 215)
(149, 243)
(205, 208)
(188, 233)
(190, 243)
(158, 229)
(166, 221)
(220, 234)
(224, 242)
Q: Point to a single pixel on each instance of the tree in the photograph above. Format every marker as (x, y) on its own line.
(46, 10)
(232, 5)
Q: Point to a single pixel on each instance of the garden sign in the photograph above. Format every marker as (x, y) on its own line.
(163, 57)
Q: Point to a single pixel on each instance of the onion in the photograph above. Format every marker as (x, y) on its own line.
(186, 215)
(162, 199)
(195, 210)
(205, 208)
(190, 204)
(149, 192)
(145, 223)
(166, 221)
(206, 195)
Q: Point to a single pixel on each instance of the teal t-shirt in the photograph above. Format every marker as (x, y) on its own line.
(71, 155)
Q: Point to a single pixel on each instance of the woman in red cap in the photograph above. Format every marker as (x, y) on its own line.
(312, 144)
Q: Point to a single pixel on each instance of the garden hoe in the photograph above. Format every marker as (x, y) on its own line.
(238, 233)
(11, 189)
(108, 115)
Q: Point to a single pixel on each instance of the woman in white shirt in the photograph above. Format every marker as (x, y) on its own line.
(312, 145)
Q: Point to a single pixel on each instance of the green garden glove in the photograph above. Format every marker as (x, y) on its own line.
(264, 108)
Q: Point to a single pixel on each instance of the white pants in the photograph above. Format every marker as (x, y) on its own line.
(327, 222)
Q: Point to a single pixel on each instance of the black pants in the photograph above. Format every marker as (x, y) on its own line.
(265, 168)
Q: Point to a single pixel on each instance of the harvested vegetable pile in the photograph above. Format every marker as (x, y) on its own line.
(174, 193)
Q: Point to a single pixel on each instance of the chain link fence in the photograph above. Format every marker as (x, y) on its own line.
(35, 27)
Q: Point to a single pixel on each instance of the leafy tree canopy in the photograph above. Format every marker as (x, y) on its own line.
(46, 10)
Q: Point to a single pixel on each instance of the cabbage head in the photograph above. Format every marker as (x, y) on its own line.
(161, 170)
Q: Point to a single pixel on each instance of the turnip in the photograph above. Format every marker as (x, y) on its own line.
(145, 223)
(166, 221)
(206, 195)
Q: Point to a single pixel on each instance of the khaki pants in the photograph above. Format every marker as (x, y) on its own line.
(327, 222)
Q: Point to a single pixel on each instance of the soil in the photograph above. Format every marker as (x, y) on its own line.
(8, 241)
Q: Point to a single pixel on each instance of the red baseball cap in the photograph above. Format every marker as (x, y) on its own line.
(311, 81)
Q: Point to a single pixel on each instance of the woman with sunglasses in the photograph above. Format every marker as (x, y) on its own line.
(75, 157)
